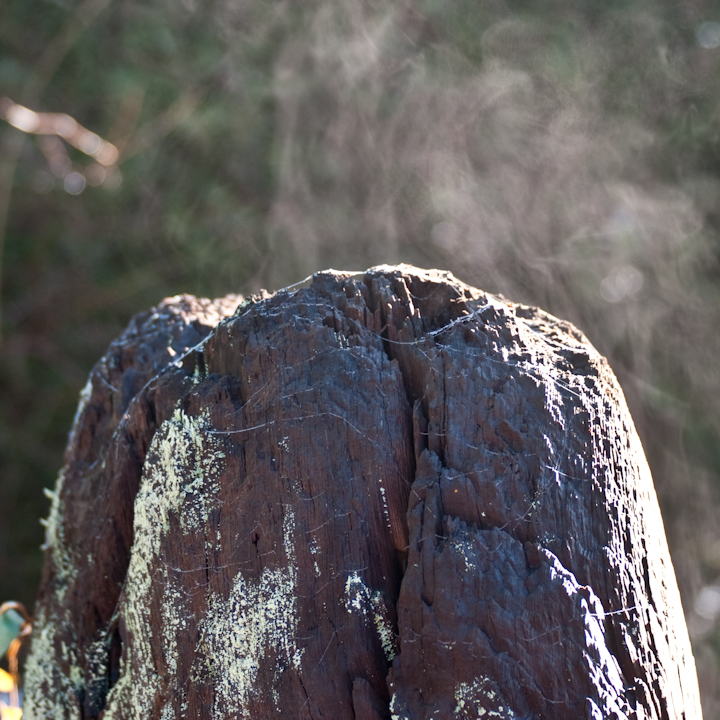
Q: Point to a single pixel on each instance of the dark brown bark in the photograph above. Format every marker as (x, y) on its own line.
(379, 495)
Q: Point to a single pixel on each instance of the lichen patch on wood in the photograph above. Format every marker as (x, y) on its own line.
(179, 488)
(371, 605)
(260, 618)
(50, 692)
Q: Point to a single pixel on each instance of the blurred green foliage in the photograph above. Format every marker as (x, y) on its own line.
(566, 154)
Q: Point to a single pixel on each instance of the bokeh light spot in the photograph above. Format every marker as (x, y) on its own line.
(708, 35)
(65, 126)
(89, 143)
(445, 235)
(621, 283)
(22, 118)
(707, 602)
(622, 222)
(74, 183)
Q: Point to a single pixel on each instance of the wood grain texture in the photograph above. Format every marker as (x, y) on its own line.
(383, 494)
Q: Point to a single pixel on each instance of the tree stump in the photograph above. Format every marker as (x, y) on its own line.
(376, 495)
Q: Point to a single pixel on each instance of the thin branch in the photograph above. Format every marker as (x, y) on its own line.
(61, 125)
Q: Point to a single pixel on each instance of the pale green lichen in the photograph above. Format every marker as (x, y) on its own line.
(314, 550)
(181, 481)
(464, 546)
(77, 677)
(386, 511)
(360, 599)
(48, 692)
(394, 711)
(479, 700)
(257, 623)
(65, 569)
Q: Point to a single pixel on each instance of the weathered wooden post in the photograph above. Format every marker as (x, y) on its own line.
(378, 495)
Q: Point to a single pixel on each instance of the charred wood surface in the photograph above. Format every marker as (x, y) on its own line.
(376, 495)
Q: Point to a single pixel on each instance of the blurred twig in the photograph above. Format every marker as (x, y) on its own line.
(61, 125)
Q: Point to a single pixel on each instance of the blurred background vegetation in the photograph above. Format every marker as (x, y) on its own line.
(564, 154)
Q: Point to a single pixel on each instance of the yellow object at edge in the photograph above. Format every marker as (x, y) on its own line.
(6, 685)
